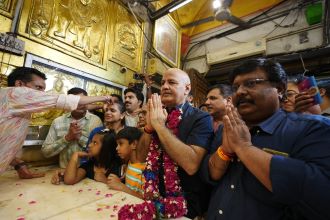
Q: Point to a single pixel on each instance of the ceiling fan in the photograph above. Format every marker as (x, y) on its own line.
(222, 13)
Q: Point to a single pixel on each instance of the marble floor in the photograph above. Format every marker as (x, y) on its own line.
(39, 199)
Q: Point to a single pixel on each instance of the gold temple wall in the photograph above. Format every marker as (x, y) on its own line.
(121, 45)
(94, 36)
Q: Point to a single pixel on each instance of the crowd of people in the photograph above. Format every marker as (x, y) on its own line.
(259, 148)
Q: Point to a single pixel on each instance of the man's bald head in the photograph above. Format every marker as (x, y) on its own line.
(175, 87)
(180, 74)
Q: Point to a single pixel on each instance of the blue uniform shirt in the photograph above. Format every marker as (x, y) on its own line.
(300, 181)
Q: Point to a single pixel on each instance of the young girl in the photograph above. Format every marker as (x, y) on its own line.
(103, 160)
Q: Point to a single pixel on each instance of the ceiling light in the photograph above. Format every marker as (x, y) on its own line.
(180, 5)
(217, 4)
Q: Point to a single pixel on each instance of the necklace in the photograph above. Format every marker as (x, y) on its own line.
(173, 204)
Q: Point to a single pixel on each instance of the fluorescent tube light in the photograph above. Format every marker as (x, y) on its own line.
(179, 5)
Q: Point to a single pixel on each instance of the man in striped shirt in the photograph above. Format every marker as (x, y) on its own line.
(23, 97)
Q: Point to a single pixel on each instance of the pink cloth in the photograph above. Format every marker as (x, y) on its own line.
(16, 106)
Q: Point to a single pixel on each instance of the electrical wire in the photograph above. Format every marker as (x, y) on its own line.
(236, 41)
(268, 10)
(326, 29)
(287, 25)
(303, 64)
(277, 25)
(275, 28)
(252, 19)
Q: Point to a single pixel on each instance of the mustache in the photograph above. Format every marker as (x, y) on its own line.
(128, 102)
(243, 100)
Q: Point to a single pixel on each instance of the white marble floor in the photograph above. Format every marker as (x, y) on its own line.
(39, 199)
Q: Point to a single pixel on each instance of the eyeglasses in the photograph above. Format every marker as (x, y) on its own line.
(290, 94)
(249, 84)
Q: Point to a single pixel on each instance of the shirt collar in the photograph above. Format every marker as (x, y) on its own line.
(87, 115)
(182, 106)
(271, 123)
(326, 111)
(133, 114)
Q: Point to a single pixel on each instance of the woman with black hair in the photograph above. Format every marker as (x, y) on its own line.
(289, 102)
(103, 160)
(114, 118)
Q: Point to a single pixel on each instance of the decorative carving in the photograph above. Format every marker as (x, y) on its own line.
(3, 80)
(6, 7)
(127, 40)
(127, 43)
(4, 4)
(98, 89)
(81, 24)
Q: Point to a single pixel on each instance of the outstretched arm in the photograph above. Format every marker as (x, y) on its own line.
(26, 100)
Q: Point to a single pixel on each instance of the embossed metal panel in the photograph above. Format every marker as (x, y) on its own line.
(127, 43)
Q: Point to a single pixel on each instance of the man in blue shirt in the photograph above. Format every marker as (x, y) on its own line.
(216, 100)
(192, 143)
(324, 86)
(268, 164)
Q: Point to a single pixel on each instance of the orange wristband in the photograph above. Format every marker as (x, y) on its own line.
(224, 156)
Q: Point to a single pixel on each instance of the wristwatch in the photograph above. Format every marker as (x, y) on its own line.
(19, 165)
